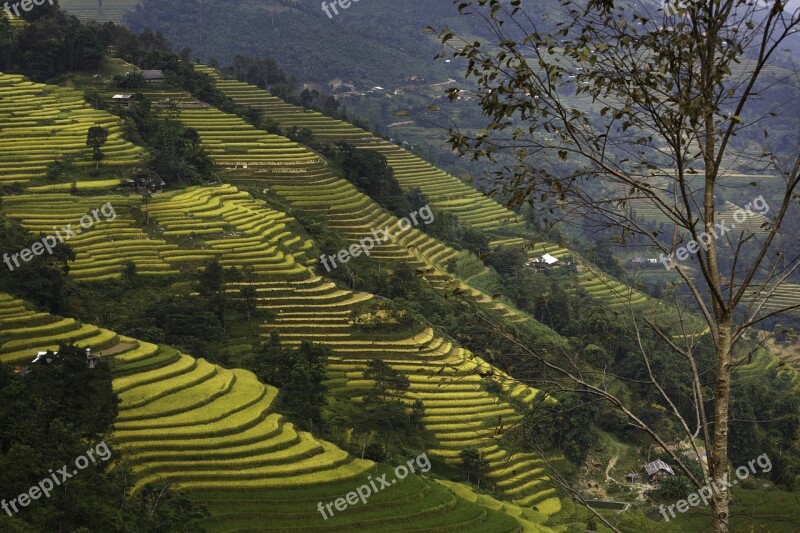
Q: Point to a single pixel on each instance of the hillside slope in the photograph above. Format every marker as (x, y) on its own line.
(307, 307)
(222, 222)
(445, 192)
(42, 123)
(357, 46)
(214, 433)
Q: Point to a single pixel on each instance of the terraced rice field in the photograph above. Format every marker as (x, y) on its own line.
(215, 433)
(605, 290)
(41, 123)
(321, 192)
(752, 222)
(228, 224)
(215, 221)
(206, 427)
(782, 359)
(349, 212)
(444, 191)
(222, 222)
(626, 300)
(310, 308)
(24, 332)
(533, 250)
(16, 22)
(112, 10)
(88, 185)
(234, 145)
(240, 231)
(783, 297)
(414, 504)
(305, 182)
(102, 250)
(615, 294)
(461, 414)
(736, 158)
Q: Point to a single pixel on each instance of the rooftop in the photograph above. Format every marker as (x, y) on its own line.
(153, 74)
(657, 466)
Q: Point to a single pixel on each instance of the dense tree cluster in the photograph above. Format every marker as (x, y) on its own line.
(51, 413)
(370, 173)
(766, 419)
(51, 44)
(198, 321)
(567, 425)
(299, 374)
(175, 153)
(264, 73)
(43, 280)
(381, 421)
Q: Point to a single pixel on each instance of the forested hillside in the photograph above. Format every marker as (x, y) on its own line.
(368, 54)
(244, 310)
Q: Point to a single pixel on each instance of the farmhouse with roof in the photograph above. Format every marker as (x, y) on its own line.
(122, 100)
(657, 470)
(545, 261)
(153, 76)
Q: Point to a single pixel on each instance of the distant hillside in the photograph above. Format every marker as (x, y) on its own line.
(102, 10)
(372, 42)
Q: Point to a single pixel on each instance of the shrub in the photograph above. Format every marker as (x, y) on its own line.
(674, 487)
(375, 452)
(491, 386)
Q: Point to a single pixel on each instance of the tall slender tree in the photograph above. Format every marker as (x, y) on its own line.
(610, 107)
(96, 137)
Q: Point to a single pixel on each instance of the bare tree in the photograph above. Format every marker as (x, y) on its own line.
(609, 108)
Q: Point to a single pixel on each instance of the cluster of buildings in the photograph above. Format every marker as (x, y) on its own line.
(641, 262)
(544, 262)
(654, 472)
(124, 100)
(49, 356)
(550, 262)
(657, 470)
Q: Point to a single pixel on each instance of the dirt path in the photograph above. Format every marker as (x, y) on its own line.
(611, 464)
(451, 80)
(117, 348)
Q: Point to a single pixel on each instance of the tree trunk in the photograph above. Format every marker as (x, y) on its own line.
(718, 463)
(364, 448)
